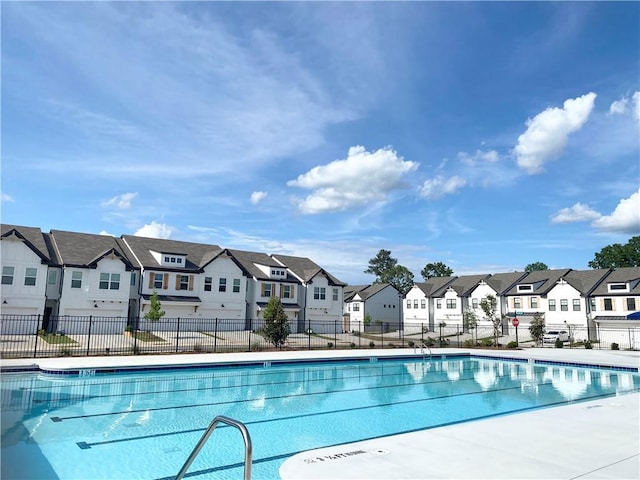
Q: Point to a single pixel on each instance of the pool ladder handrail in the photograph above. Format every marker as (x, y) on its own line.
(248, 449)
(422, 347)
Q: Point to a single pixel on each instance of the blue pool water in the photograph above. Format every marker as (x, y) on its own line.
(144, 425)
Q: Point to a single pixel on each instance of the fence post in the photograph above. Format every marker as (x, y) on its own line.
(177, 335)
(215, 335)
(335, 334)
(89, 335)
(249, 340)
(458, 335)
(382, 334)
(135, 342)
(422, 333)
(359, 336)
(35, 348)
(629, 332)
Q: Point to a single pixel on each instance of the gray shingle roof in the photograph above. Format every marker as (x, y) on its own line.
(305, 269)
(501, 282)
(432, 285)
(198, 255)
(541, 280)
(463, 285)
(40, 243)
(629, 275)
(586, 280)
(364, 291)
(248, 261)
(85, 249)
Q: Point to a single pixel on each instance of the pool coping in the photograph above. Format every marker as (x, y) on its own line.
(596, 439)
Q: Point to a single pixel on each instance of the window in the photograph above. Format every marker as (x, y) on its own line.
(552, 305)
(76, 279)
(608, 304)
(593, 304)
(516, 302)
(438, 303)
(576, 304)
(207, 284)
(52, 277)
(533, 302)
(564, 305)
(7, 275)
(167, 260)
(451, 303)
(631, 303)
(525, 288)
(158, 281)
(30, 276)
(335, 295)
(133, 279)
(319, 293)
(617, 287)
(236, 285)
(423, 303)
(409, 304)
(222, 285)
(285, 291)
(109, 281)
(474, 303)
(183, 282)
(267, 290)
(415, 303)
(356, 307)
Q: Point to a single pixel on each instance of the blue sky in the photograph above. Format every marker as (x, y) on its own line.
(483, 135)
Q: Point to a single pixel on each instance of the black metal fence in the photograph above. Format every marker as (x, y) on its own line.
(24, 337)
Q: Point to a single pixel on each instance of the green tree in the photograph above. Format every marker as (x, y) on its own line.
(276, 324)
(618, 256)
(535, 267)
(155, 312)
(387, 270)
(470, 320)
(537, 328)
(489, 306)
(437, 269)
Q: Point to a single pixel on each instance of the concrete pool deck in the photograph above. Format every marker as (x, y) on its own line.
(593, 440)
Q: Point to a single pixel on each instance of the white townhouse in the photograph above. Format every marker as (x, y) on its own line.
(494, 285)
(568, 300)
(195, 283)
(419, 305)
(381, 301)
(30, 278)
(320, 296)
(98, 279)
(611, 303)
(268, 278)
(454, 298)
(528, 296)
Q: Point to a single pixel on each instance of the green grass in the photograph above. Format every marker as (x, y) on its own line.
(54, 339)
(147, 337)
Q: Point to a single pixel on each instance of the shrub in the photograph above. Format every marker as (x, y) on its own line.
(512, 344)
(588, 345)
(372, 344)
(469, 343)
(615, 346)
(411, 343)
(65, 351)
(329, 344)
(429, 342)
(559, 343)
(444, 342)
(486, 342)
(197, 348)
(352, 345)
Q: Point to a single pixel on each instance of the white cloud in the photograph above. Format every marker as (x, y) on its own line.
(257, 197)
(636, 105)
(440, 186)
(576, 213)
(106, 234)
(121, 202)
(490, 156)
(154, 230)
(625, 218)
(619, 106)
(547, 133)
(7, 198)
(361, 178)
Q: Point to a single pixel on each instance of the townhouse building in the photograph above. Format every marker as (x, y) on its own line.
(381, 302)
(419, 306)
(495, 285)
(454, 298)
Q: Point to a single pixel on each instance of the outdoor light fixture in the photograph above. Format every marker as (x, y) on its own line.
(4, 302)
(95, 305)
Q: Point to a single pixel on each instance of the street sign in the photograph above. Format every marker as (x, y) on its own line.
(515, 322)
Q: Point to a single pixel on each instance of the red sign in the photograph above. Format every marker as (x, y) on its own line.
(515, 322)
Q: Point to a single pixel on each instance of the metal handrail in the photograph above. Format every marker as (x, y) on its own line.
(248, 449)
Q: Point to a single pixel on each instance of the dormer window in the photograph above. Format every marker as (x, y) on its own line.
(525, 288)
(618, 287)
(173, 260)
(278, 272)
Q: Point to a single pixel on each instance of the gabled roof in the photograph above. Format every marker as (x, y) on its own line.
(501, 282)
(463, 285)
(630, 275)
(434, 284)
(365, 291)
(197, 254)
(86, 249)
(541, 280)
(585, 281)
(305, 269)
(248, 261)
(38, 242)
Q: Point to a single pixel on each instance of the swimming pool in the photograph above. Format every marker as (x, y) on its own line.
(144, 425)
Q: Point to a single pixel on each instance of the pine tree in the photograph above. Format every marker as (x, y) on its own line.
(155, 312)
(276, 324)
